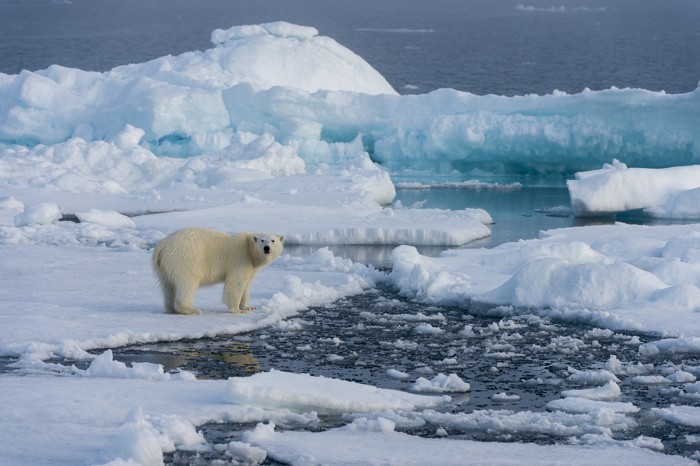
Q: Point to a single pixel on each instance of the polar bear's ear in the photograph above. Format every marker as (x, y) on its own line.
(281, 237)
(255, 238)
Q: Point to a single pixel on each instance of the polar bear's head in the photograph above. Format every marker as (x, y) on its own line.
(267, 247)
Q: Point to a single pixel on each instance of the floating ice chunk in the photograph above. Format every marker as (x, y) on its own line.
(44, 213)
(681, 377)
(104, 365)
(649, 380)
(609, 391)
(246, 454)
(683, 415)
(504, 397)
(672, 345)
(693, 387)
(303, 392)
(428, 329)
(584, 405)
(107, 218)
(396, 374)
(592, 377)
(618, 188)
(441, 383)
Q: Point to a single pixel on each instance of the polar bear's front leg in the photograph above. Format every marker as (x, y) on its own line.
(234, 290)
(244, 299)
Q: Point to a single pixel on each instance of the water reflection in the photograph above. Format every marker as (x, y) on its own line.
(209, 359)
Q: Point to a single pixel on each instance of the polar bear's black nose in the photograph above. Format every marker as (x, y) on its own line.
(266, 249)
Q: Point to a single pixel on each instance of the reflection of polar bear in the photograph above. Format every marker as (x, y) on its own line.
(188, 259)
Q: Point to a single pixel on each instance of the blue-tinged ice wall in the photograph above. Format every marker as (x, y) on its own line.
(288, 82)
(451, 130)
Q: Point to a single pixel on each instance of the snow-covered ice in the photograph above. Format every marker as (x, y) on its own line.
(619, 276)
(279, 129)
(665, 193)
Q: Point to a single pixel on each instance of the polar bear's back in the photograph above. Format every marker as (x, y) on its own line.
(199, 254)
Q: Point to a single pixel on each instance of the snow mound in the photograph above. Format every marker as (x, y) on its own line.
(303, 392)
(618, 277)
(44, 213)
(284, 54)
(177, 104)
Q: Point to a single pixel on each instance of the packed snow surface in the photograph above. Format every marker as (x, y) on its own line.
(279, 129)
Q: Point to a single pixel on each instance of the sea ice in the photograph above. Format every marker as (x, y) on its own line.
(617, 188)
(384, 446)
(303, 392)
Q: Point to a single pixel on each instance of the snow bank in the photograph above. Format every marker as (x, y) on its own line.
(617, 276)
(303, 392)
(615, 188)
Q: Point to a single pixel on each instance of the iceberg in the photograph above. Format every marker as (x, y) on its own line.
(308, 92)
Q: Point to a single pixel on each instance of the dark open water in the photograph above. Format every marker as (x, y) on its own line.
(482, 46)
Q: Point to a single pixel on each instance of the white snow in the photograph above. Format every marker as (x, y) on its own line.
(666, 193)
(618, 276)
(280, 129)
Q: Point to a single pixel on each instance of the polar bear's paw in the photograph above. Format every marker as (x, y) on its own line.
(187, 310)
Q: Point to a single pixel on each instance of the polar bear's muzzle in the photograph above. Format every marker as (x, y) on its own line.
(266, 249)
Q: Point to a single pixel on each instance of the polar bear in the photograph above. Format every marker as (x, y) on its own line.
(194, 257)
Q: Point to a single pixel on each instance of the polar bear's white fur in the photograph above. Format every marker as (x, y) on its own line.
(194, 257)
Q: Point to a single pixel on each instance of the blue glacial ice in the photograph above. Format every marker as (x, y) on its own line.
(308, 91)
